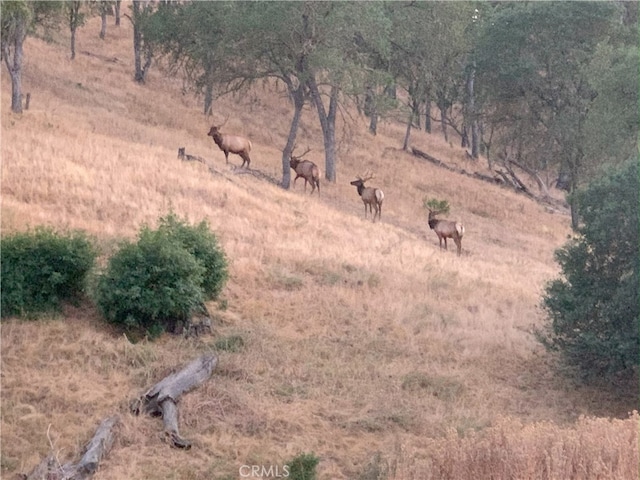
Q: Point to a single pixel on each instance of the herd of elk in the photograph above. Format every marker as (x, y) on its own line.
(371, 196)
(231, 144)
(307, 170)
(446, 229)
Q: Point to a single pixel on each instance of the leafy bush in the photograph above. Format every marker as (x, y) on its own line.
(42, 268)
(163, 278)
(441, 206)
(303, 467)
(594, 309)
(233, 343)
(203, 245)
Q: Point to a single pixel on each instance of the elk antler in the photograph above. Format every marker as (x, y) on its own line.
(302, 155)
(223, 123)
(367, 176)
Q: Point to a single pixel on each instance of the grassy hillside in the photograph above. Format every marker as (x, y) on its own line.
(363, 343)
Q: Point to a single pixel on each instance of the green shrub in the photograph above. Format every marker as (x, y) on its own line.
(594, 308)
(441, 206)
(303, 467)
(233, 343)
(163, 278)
(203, 245)
(42, 268)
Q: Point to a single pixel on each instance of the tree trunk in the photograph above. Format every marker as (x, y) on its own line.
(103, 26)
(471, 111)
(405, 144)
(139, 45)
(373, 124)
(443, 122)
(575, 222)
(298, 102)
(73, 43)
(13, 61)
(427, 115)
(74, 21)
(162, 398)
(328, 124)
(117, 12)
(208, 99)
(370, 110)
(415, 108)
(464, 138)
(208, 86)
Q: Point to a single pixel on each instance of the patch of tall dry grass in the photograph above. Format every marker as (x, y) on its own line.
(359, 337)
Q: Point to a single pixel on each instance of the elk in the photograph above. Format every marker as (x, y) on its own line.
(371, 196)
(182, 155)
(231, 143)
(446, 229)
(307, 170)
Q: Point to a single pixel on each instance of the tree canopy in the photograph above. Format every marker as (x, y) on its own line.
(594, 309)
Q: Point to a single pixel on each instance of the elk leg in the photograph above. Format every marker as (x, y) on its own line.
(226, 156)
(458, 244)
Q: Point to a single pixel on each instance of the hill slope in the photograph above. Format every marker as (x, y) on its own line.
(359, 337)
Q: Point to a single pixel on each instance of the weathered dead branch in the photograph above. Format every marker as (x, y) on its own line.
(96, 449)
(162, 398)
(256, 173)
(506, 177)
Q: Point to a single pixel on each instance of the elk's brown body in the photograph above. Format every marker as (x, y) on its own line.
(446, 229)
(231, 144)
(307, 170)
(371, 197)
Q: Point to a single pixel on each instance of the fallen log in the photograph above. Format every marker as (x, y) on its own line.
(162, 398)
(95, 451)
(256, 173)
(426, 156)
(508, 178)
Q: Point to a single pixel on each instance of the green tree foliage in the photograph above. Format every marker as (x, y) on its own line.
(42, 268)
(533, 62)
(594, 309)
(613, 122)
(430, 45)
(192, 39)
(162, 278)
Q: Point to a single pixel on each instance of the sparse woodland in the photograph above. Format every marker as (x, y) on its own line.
(358, 346)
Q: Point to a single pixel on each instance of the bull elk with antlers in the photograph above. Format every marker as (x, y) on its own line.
(231, 144)
(446, 229)
(371, 196)
(307, 170)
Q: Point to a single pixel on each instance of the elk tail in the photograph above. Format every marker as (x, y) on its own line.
(460, 229)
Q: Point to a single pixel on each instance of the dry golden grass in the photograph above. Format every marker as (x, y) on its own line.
(359, 337)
